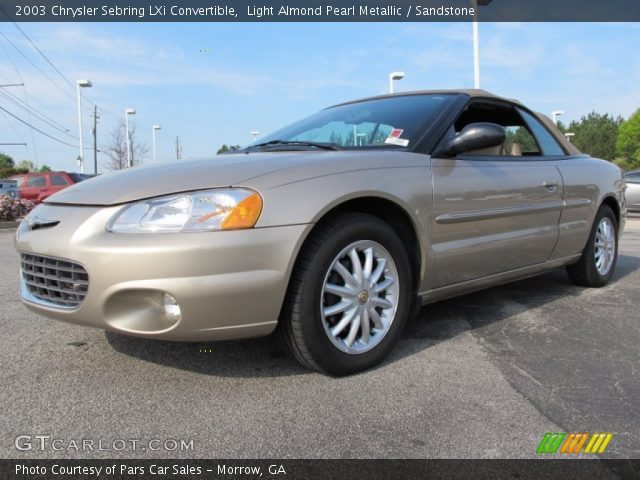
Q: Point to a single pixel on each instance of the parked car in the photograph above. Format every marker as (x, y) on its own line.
(37, 186)
(9, 188)
(331, 231)
(633, 191)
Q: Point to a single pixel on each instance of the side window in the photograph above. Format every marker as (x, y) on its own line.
(633, 177)
(58, 179)
(36, 181)
(519, 139)
(545, 139)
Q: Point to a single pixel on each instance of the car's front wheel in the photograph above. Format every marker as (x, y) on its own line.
(349, 295)
(598, 261)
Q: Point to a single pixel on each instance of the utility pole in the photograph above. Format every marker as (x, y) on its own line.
(178, 149)
(95, 139)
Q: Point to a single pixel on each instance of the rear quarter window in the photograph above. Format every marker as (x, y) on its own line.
(58, 179)
(546, 141)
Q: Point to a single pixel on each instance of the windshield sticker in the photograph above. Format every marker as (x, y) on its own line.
(394, 138)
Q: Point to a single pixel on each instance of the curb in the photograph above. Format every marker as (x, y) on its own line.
(9, 225)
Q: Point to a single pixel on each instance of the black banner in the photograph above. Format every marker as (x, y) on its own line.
(320, 11)
(319, 469)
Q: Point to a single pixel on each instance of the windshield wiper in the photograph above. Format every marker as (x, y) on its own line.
(296, 143)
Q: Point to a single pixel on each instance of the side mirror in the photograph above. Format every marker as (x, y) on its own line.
(477, 136)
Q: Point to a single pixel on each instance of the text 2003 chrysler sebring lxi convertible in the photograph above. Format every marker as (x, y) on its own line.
(330, 231)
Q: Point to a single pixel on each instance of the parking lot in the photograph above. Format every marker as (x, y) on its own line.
(484, 375)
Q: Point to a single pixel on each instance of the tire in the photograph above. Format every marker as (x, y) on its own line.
(603, 245)
(310, 330)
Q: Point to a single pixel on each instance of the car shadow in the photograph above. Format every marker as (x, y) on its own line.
(435, 323)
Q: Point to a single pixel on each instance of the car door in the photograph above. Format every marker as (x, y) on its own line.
(34, 185)
(494, 211)
(632, 194)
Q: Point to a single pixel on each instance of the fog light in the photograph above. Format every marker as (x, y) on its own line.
(171, 308)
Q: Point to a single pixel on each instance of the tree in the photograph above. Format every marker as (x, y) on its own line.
(116, 150)
(596, 135)
(628, 143)
(6, 161)
(522, 137)
(228, 148)
(26, 164)
(44, 169)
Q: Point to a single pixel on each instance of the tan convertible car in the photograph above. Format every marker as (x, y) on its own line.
(329, 232)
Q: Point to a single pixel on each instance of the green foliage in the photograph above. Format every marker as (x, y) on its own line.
(596, 135)
(44, 169)
(562, 127)
(5, 161)
(6, 172)
(628, 144)
(228, 148)
(26, 164)
(521, 136)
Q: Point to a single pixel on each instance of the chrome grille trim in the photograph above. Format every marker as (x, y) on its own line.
(53, 282)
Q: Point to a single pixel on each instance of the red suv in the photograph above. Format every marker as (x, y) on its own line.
(36, 186)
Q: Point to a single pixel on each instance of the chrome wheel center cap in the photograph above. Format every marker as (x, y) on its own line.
(363, 297)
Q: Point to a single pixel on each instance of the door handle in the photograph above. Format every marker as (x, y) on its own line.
(551, 186)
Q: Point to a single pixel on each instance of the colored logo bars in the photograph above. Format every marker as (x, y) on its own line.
(573, 443)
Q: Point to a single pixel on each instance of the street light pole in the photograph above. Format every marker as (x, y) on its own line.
(555, 114)
(127, 112)
(394, 76)
(476, 41)
(476, 46)
(81, 84)
(153, 134)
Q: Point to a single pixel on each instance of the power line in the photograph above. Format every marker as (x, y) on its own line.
(41, 116)
(36, 129)
(43, 55)
(56, 69)
(37, 67)
(5, 117)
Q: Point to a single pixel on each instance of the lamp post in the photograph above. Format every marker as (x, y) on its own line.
(153, 134)
(255, 134)
(555, 114)
(476, 40)
(394, 76)
(569, 136)
(81, 84)
(127, 112)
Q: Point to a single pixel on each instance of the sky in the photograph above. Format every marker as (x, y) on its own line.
(215, 83)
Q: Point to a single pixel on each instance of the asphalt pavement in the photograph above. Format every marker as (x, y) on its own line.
(480, 376)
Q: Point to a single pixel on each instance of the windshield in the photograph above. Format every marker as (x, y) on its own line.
(389, 122)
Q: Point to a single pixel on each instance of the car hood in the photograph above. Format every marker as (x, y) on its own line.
(162, 179)
(257, 170)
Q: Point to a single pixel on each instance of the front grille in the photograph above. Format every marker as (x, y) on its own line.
(53, 281)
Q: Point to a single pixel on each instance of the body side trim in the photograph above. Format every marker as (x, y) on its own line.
(469, 286)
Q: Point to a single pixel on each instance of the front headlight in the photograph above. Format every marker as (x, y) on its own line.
(218, 209)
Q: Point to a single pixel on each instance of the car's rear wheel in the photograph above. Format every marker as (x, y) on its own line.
(598, 261)
(349, 295)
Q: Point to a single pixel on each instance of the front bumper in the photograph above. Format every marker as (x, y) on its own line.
(228, 284)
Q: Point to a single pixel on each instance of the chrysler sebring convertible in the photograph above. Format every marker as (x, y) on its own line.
(330, 232)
